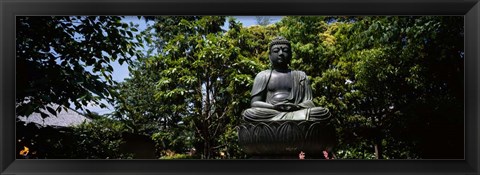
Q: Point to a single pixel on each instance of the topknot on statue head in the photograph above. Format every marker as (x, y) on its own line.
(279, 40)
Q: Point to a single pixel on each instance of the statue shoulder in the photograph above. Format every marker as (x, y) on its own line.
(299, 73)
(263, 74)
(260, 82)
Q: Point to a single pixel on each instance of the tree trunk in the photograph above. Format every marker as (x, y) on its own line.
(206, 151)
(378, 149)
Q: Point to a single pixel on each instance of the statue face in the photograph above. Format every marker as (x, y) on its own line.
(280, 55)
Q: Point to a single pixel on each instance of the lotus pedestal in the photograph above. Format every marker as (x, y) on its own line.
(286, 139)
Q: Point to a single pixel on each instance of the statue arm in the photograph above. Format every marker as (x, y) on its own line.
(261, 104)
(258, 91)
(307, 96)
(258, 102)
(307, 104)
(260, 84)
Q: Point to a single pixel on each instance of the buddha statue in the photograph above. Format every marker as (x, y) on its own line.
(280, 93)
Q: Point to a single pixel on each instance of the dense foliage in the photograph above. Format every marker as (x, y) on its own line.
(67, 60)
(198, 83)
(393, 84)
(100, 139)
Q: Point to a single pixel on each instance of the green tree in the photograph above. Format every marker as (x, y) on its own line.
(99, 139)
(200, 80)
(379, 75)
(181, 80)
(142, 113)
(412, 64)
(68, 60)
(136, 105)
(193, 74)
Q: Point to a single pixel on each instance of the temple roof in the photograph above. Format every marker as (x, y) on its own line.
(64, 118)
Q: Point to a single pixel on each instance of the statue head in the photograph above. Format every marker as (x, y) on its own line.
(280, 52)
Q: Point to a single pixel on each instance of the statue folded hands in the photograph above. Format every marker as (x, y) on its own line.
(281, 93)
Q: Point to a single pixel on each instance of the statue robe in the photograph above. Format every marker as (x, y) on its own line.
(300, 94)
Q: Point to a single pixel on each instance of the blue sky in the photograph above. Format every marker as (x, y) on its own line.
(121, 71)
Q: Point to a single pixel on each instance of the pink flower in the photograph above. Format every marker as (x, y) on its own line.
(301, 155)
(325, 154)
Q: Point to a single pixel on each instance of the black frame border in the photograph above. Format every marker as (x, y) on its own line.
(11, 8)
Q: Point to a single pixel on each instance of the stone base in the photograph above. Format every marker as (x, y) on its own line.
(285, 139)
(307, 156)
